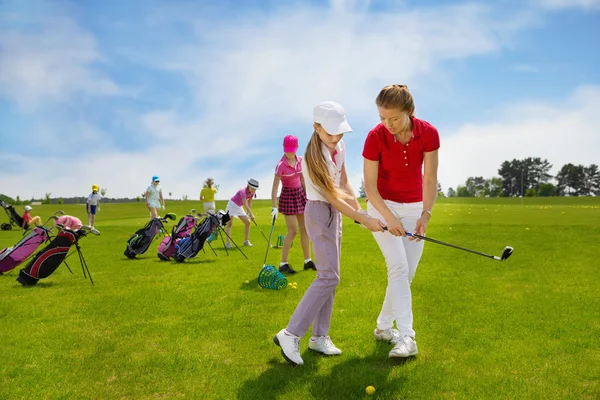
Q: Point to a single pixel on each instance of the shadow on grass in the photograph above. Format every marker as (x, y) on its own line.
(347, 380)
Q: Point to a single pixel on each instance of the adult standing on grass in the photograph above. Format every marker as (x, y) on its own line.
(329, 196)
(400, 178)
(207, 195)
(292, 202)
(154, 197)
(93, 205)
(242, 198)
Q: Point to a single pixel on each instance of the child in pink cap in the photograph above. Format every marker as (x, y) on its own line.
(69, 222)
(292, 201)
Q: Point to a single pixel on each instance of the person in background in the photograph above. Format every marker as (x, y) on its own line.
(93, 205)
(28, 220)
(235, 207)
(207, 196)
(154, 197)
(292, 201)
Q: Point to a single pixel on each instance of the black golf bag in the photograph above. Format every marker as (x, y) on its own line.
(190, 246)
(13, 217)
(47, 260)
(142, 239)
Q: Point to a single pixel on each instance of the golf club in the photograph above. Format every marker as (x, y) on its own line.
(261, 232)
(269, 241)
(505, 253)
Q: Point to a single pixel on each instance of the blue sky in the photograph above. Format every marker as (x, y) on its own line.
(114, 92)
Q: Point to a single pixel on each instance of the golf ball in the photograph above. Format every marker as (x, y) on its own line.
(370, 390)
(247, 281)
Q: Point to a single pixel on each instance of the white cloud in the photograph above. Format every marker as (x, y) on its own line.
(525, 68)
(565, 132)
(560, 4)
(51, 64)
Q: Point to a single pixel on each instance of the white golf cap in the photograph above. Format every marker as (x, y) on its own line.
(27, 208)
(332, 117)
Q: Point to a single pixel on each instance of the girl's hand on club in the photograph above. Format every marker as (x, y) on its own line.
(372, 224)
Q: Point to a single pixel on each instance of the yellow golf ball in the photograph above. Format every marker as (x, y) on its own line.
(247, 282)
(370, 390)
(289, 285)
(526, 229)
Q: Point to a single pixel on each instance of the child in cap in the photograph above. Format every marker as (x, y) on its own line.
(329, 195)
(93, 205)
(28, 220)
(292, 201)
(154, 197)
(235, 207)
(207, 195)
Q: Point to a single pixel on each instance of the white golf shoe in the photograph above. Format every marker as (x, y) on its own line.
(324, 345)
(405, 347)
(290, 347)
(389, 335)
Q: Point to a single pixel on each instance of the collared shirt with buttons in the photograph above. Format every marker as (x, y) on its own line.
(400, 173)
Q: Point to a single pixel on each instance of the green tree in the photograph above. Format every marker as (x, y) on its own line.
(531, 192)
(47, 198)
(571, 180)
(592, 180)
(362, 193)
(18, 201)
(451, 192)
(546, 190)
(462, 191)
(60, 201)
(493, 187)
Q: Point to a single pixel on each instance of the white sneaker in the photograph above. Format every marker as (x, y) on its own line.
(290, 347)
(324, 345)
(405, 347)
(228, 245)
(247, 243)
(389, 335)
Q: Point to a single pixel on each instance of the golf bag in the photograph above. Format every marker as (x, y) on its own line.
(47, 260)
(142, 239)
(184, 228)
(11, 257)
(13, 217)
(190, 247)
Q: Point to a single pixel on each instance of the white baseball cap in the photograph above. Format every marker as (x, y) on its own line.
(27, 208)
(332, 117)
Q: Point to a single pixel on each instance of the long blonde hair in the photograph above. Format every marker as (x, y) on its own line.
(318, 170)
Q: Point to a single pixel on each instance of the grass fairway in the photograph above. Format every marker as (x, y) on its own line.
(527, 328)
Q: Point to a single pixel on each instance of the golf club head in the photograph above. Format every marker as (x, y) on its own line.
(506, 253)
(171, 216)
(193, 211)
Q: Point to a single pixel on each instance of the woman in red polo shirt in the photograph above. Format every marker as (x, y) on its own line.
(400, 178)
(292, 201)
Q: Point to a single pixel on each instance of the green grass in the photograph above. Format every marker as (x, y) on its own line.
(528, 328)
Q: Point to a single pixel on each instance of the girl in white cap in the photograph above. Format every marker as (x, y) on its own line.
(329, 196)
(28, 220)
(241, 200)
(154, 197)
(292, 202)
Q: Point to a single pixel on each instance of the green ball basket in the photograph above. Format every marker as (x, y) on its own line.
(270, 278)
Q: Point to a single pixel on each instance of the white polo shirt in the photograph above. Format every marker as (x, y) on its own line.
(94, 198)
(335, 168)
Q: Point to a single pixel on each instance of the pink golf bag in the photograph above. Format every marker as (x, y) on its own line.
(11, 257)
(183, 229)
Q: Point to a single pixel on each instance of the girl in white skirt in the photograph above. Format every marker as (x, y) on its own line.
(240, 201)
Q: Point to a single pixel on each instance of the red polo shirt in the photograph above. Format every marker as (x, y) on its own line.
(400, 175)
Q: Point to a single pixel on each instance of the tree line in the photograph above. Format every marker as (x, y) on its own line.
(531, 177)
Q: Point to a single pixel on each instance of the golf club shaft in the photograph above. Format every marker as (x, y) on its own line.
(269, 241)
(260, 230)
(445, 244)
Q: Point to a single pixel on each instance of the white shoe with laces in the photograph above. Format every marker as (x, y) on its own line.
(247, 243)
(389, 335)
(290, 347)
(324, 345)
(405, 347)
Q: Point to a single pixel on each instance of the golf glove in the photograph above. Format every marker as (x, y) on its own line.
(274, 213)
(162, 206)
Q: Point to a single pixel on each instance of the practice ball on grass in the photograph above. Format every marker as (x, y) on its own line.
(247, 282)
(526, 229)
(370, 390)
